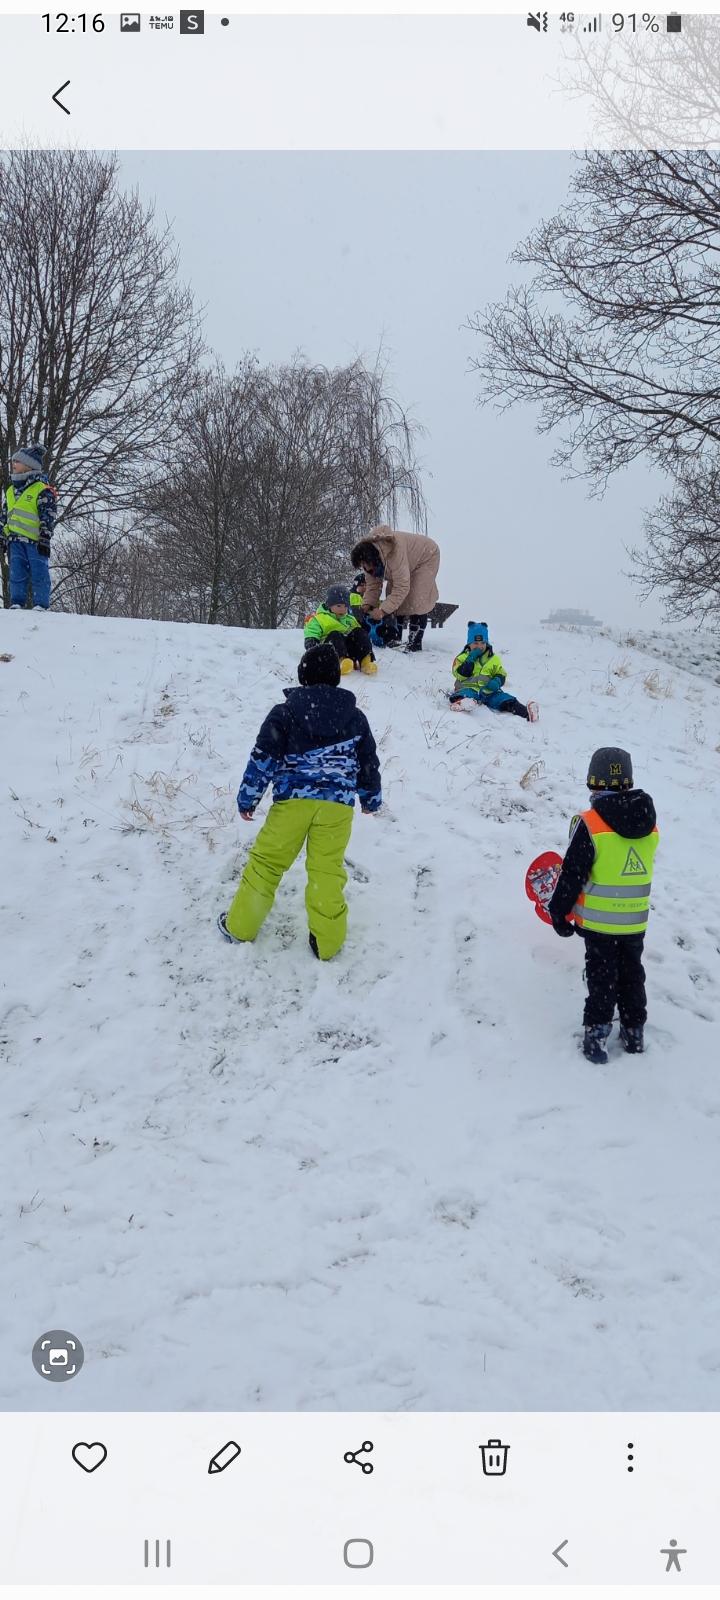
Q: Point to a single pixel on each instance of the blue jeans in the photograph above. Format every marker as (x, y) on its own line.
(494, 700)
(28, 567)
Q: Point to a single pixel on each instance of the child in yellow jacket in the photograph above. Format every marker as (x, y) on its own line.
(335, 623)
(480, 675)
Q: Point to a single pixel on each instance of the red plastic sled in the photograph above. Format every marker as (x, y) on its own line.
(540, 880)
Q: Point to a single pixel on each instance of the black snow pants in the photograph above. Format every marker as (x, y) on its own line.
(515, 708)
(615, 976)
(355, 644)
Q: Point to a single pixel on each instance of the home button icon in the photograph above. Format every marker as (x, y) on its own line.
(358, 1553)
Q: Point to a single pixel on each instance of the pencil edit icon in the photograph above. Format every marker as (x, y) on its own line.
(225, 1457)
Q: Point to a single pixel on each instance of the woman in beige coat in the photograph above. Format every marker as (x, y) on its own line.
(407, 563)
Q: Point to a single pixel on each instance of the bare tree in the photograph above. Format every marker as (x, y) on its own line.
(659, 93)
(681, 555)
(98, 342)
(193, 509)
(277, 473)
(616, 335)
(87, 569)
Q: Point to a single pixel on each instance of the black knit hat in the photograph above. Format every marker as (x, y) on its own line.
(337, 596)
(610, 768)
(320, 664)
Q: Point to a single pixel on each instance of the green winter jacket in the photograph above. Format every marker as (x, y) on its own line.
(322, 622)
(485, 667)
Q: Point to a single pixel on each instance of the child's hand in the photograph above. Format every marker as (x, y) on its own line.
(247, 816)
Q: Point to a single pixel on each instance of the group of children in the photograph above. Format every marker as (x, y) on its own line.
(317, 750)
(478, 670)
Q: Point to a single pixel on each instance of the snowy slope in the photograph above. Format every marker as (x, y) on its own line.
(247, 1180)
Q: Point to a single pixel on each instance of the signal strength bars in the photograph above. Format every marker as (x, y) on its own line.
(593, 24)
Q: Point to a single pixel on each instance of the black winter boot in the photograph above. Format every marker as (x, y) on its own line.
(416, 630)
(594, 1043)
(312, 941)
(632, 1040)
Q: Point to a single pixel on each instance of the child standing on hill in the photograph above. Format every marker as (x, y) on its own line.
(27, 522)
(334, 621)
(605, 882)
(318, 752)
(480, 675)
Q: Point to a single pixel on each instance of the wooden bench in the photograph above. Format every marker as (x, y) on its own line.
(440, 613)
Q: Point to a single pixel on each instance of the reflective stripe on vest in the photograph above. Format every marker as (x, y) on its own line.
(616, 897)
(23, 521)
(487, 666)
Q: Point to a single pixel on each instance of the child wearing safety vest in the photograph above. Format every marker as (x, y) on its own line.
(317, 751)
(604, 886)
(335, 623)
(27, 522)
(479, 677)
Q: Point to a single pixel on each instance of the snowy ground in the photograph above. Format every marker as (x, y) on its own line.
(246, 1180)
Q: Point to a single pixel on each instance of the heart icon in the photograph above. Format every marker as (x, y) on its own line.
(89, 1456)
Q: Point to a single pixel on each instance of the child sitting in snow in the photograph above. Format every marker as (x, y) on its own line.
(318, 752)
(334, 621)
(480, 675)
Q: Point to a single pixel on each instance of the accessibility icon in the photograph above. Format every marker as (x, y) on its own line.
(673, 1556)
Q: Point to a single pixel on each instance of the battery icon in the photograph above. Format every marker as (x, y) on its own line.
(673, 22)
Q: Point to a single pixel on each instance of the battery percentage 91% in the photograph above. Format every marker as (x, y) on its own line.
(635, 22)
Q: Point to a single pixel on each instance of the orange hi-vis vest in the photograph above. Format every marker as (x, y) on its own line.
(616, 897)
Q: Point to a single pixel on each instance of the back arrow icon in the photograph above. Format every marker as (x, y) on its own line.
(59, 91)
(557, 1554)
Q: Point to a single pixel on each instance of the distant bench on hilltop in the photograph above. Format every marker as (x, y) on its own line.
(440, 614)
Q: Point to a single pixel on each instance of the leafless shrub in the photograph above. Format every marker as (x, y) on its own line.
(534, 771)
(654, 686)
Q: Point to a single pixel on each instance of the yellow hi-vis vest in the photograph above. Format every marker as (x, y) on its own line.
(23, 521)
(616, 897)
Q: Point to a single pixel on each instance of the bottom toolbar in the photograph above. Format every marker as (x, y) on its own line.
(388, 1499)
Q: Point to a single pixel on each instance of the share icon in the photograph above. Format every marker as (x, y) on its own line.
(354, 1455)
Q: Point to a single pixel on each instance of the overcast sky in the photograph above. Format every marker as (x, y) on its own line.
(335, 254)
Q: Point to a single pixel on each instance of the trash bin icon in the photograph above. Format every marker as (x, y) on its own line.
(494, 1458)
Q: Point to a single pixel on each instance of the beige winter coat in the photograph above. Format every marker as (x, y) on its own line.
(411, 566)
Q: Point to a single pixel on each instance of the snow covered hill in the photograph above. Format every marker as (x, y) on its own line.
(247, 1180)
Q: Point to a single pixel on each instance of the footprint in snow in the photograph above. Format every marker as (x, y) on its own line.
(424, 884)
(458, 1211)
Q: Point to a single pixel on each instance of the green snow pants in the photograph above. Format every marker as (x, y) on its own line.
(326, 825)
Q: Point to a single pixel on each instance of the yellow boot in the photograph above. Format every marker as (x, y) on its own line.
(369, 666)
(346, 666)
